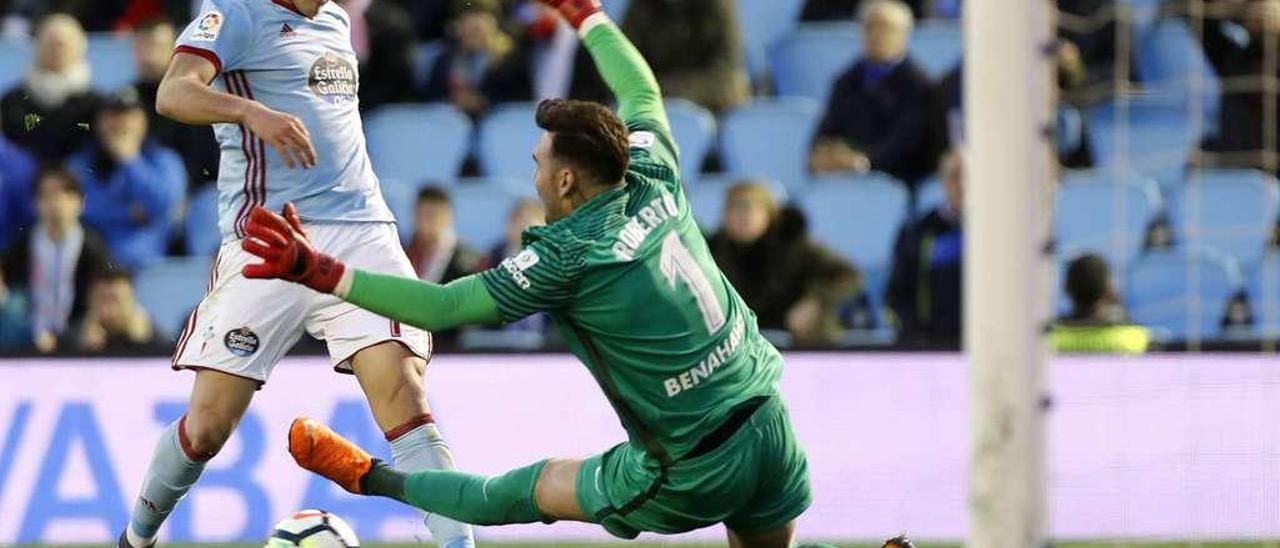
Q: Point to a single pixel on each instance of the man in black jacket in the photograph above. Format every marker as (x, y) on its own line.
(1236, 38)
(52, 263)
(881, 112)
(925, 286)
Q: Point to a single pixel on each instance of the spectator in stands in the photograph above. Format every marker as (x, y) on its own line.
(17, 190)
(436, 253)
(790, 281)
(925, 284)
(51, 265)
(152, 48)
(132, 184)
(695, 49)
(881, 114)
(1097, 322)
(1089, 28)
(428, 18)
(115, 322)
(50, 111)
(527, 212)
(845, 10)
(386, 54)
(1237, 45)
(481, 65)
(1073, 138)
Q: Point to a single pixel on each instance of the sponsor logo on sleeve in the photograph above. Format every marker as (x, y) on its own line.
(208, 27)
(242, 342)
(517, 265)
(642, 139)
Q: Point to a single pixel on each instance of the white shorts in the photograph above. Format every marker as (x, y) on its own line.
(243, 327)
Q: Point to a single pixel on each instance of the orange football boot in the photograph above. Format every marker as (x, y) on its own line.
(321, 450)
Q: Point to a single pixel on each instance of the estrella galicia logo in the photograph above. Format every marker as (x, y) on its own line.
(333, 79)
(241, 342)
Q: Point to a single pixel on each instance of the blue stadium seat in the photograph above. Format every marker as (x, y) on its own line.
(15, 57)
(764, 23)
(1230, 210)
(507, 137)
(203, 236)
(858, 216)
(1105, 211)
(480, 208)
(937, 46)
(111, 60)
(1159, 140)
(401, 198)
(807, 61)
(930, 195)
(1264, 293)
(1160, 294)
(616, 8)
(170, 289)
(707, 196)
(1171, 61)
(694, 129)
(418, 143)
(770, 138)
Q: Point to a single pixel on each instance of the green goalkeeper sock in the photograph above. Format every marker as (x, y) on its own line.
(496, 500)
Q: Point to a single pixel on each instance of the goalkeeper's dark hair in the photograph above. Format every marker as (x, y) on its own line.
(587, 135)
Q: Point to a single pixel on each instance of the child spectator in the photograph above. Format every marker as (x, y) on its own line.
(50, 266)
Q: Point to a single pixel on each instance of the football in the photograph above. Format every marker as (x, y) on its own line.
(312, 529)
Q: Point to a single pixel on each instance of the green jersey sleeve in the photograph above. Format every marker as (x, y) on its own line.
(540, 278)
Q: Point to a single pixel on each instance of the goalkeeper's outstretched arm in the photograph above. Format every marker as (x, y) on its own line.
(421, 304)
(621, 66)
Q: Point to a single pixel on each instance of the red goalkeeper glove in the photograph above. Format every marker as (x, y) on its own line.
(575, 11)
(286, 252)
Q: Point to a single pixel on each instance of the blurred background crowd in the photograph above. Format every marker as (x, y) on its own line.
(822, 149)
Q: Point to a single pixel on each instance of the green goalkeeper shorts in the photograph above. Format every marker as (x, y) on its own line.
(756, 480)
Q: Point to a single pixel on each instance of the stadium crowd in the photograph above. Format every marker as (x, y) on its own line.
(95, 186)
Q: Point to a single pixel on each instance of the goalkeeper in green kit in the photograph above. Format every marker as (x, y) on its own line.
(625, 273)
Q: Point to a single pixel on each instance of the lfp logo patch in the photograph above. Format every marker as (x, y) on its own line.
(242, 342)
(208, 27)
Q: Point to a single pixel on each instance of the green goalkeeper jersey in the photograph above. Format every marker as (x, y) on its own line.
(629, 281)
(632, 286)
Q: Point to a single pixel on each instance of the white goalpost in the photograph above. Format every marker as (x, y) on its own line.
(1010, 94)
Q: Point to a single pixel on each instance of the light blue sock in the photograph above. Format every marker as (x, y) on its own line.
(169, 476)
(422, 448)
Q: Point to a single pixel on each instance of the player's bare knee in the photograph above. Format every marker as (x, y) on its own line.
(206, 432)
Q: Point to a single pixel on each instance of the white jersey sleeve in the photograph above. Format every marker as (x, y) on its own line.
(222, 33)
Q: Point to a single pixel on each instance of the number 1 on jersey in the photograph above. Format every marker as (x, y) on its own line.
(678, 265)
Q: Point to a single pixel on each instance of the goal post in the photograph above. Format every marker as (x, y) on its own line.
(1010, 96)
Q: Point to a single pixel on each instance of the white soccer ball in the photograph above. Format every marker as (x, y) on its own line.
(312, 529)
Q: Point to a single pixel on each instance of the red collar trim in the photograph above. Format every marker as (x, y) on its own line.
(288, 4)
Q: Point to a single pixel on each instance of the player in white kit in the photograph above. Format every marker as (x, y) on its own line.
(277, 79)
